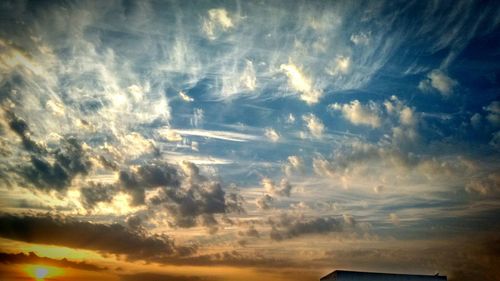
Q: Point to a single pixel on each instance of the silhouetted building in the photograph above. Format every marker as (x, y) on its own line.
(343, 275)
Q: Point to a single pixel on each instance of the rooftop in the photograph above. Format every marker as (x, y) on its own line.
(340, 275)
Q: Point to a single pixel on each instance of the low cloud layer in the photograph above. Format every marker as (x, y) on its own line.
(105, 238)
(32, 258)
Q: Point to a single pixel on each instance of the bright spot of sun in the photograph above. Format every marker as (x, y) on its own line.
(40, 272)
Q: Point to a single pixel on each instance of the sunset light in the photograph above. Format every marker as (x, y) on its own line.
(42, 272)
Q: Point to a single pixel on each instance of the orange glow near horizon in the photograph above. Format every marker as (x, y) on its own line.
(40, 272)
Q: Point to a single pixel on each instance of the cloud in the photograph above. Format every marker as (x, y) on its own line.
(149, 276)
(197, 118)
(287, 227)
(378, 189)
(341, 66)
(170, 135)
(294, 163)
(185, 97)
(250, 232)
(283, 189)
(107, 77)
(301, 83)
(50, 169)
(96, 193)
(493, 110)
(394, 218)
(190, 198)
(486, 185)
(221, 135)
(105, 238)
(322, 167)
(361, 38)
(314, 125)
(404, 131)
(495, 140)
(32, 258)
(248, 79)
(359, 114)
(218, 21)
(20, 127)
(349, 219)
(439, 81)
(272, 135)
(147, 177)
(265, 202)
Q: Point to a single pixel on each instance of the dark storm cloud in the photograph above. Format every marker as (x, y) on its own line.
(22, 258)
(20, 127)
(70, 160)
(49, 169)
(107, 238)
(287, 227)
(148, 176)
(97, 192)
(186, 204)
(189, 197)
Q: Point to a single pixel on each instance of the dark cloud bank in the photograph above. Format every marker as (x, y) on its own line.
(105, 238)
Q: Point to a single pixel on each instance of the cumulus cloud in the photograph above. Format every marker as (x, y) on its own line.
(439, 81)
(218, 20)
(394, 218)
(189, 200)
(21, 128)
(323, 167)
(314, 125)
(294, 163)
(493, 110)
(272, 135)
(147, 177)
(250, 232)
(301, 83)
(95, 193)
(341, 66)
(265, 202)
(170, 135)
(349, 219)
(359, 114)
(288, 227)
(495, 140)
(489, 184)
(51, 169)
(105, 238)
(284, 188)
(404, 130)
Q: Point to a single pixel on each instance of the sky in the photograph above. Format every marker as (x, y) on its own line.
(249, 140)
